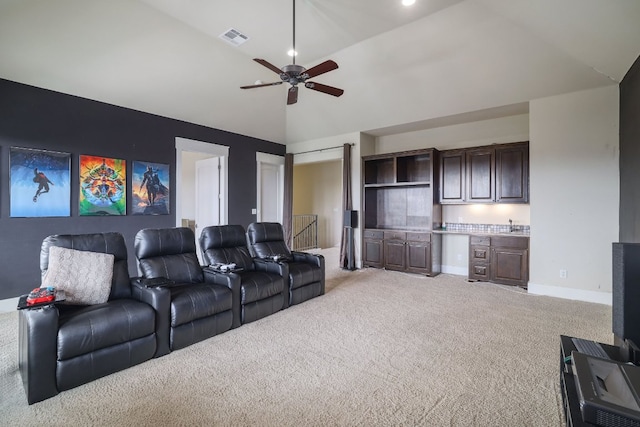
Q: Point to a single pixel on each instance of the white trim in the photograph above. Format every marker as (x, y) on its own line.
(571, 293)
(222, 151)
(8, 305)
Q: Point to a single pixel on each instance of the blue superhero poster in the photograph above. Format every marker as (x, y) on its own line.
(40, 183)
(150, 189)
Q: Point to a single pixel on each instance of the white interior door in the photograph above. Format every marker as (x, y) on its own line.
(208, 194)
(270, 187)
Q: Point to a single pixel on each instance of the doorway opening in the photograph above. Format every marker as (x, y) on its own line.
(201, 184)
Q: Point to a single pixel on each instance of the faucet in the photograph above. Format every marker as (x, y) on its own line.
(510, 225)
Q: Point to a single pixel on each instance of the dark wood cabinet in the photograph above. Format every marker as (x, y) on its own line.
(490, 174)
(512, 173)
(400, 208)
(372, 253)
(418, 253)
(452, 176)
(480, 258)
(480, 175)
(499, 259)
(394, 250)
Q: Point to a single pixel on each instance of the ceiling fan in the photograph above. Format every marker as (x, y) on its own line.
(296, 74)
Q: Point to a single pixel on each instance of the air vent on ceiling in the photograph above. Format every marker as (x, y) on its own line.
(233, 37)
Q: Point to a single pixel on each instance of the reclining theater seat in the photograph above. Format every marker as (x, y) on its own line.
(63, 346)
(263, 285)
(306, 271)
(193, 308)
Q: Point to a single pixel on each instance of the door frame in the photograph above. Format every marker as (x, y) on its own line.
(221, 151)
(270, 159)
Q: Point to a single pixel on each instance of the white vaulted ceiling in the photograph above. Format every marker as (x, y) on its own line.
(401, 68)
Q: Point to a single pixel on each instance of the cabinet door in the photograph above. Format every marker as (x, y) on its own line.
(394, 254)
(512, 174)
(480, 169)
(372, 255)
(452, 176)
(509, 266)
(419, 257)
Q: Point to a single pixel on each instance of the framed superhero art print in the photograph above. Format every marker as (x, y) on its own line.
(150, 188)
(40, 183)
(103, 184)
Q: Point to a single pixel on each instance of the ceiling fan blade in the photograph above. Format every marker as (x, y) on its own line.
(324, 88)
(292, 95)
(268, 65)
(325, 67)
(261, 85)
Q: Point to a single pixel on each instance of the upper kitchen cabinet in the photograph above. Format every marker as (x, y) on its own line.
(512, 173)
(452, 176)
(489, 174)
(481, 175)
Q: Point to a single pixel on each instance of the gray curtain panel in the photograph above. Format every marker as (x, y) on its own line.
(287, 213)
(346, 201)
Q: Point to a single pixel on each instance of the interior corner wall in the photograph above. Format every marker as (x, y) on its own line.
(36, 118)
(574, 183)
(630, 155)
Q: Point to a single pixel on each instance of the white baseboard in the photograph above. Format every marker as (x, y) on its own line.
(571, 293)
(8, 305)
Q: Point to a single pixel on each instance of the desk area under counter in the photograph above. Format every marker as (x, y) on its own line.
(495, 254)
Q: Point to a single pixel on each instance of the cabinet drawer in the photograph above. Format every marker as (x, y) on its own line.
(510, 242)
(479, 271)
(480, 240)
(395, 235)
(419, 237)
(480, 253)
(373, 234)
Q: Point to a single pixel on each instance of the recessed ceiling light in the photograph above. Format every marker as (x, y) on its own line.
(408, 2)
(292, 52)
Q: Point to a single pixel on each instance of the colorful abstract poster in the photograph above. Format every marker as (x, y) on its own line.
(102, 186)
(150, 189)
(40, 183)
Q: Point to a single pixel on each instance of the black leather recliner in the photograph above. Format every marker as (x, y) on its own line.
(263, 285)
(64, 346)
(193, 307)
(306, 271)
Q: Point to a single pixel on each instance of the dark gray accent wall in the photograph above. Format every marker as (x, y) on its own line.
(630, 155)
(32, 117)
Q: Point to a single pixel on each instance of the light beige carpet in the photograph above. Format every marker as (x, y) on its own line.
(380, 348)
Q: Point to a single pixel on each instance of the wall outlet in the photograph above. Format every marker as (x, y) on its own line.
(254, 211)
(563, 274)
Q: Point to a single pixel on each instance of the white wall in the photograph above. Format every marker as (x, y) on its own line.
(574, 173)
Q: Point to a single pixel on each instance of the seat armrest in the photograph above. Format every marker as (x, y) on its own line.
(316, 259)
(37, 351)
(160, 299)
(269, 266)
(232, 281)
